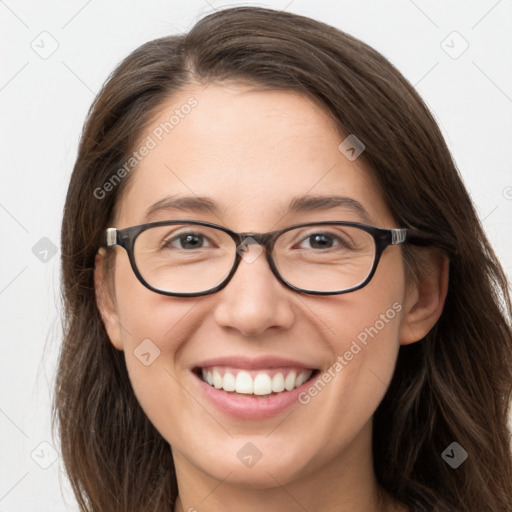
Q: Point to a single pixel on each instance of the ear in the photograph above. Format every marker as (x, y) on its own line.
(424, 301)
(105, 300)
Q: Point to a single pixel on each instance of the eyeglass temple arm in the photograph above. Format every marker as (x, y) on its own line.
(398, 235)
(111, 237)
(401, 235)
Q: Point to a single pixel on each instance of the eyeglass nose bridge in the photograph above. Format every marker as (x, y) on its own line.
(265, 240)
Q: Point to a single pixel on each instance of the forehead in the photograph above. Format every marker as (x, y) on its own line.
(252, 152)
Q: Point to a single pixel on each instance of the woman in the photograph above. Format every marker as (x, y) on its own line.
(278, 294)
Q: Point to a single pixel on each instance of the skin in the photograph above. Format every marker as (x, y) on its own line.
(252, 152)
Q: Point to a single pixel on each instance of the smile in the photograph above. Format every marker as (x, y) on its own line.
(255, 382)
(252, 389)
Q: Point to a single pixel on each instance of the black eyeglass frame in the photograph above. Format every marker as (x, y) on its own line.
(382, 237)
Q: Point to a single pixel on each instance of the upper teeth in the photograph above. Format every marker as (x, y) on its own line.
(259, 383)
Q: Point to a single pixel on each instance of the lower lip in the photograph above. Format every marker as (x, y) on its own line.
(250, 407)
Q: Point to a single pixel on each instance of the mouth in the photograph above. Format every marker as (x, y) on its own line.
(255, 388)
(262, 383)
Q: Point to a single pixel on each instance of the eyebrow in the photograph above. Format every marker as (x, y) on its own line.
(318, 203)
(299, 204)
(187, 203)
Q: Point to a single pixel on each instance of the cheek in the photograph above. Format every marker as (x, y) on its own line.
(155, 331)
(367, 355)
(144, 314)
(363, 337)
(364, 341)
(375, 316)
(365, 324)
(154, 328)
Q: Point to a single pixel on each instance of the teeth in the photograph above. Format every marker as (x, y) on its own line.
(289, 382)
(262, 384)
(217, 379)
(301, 378)
(259, 383)
(229, 383)
(243, 383)
(278, 383)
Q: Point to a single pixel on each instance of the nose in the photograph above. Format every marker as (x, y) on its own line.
(254, 300)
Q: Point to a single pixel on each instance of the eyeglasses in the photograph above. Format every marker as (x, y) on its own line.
(186, 258)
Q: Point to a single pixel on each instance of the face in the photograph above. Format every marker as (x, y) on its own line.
(252, 153)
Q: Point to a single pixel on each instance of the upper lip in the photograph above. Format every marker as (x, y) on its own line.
(255, 363)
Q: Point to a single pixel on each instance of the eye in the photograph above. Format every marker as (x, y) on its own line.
(325, 240)
(186, 241)
(319, 241)
(322, 241)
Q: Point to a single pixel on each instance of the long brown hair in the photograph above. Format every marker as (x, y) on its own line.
(455, 385)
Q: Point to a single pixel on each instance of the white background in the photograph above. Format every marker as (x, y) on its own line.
(44, 103)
